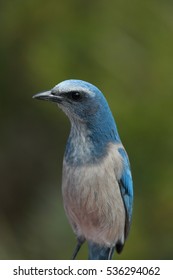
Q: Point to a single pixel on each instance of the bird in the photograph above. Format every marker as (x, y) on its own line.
(97, 185)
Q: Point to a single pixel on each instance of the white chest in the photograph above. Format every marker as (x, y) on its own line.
(92, 198)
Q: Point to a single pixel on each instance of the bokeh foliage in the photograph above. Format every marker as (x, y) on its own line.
(126, 49)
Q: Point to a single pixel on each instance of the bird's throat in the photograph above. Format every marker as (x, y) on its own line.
(79, 149)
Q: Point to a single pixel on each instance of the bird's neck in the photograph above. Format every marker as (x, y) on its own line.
(88, 143)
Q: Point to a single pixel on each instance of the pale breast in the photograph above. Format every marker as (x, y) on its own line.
(92, 198)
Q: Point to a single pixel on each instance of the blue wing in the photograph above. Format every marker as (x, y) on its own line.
(126, 188)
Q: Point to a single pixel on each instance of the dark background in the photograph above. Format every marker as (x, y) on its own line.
(126, 49)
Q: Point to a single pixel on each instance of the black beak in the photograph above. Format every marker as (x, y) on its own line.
(47, 95)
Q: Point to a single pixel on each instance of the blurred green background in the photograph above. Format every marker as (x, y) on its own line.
(126, 49)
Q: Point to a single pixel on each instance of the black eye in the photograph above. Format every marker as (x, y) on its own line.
(76, 95)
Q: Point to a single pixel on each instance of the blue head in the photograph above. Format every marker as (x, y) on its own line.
(89, 113)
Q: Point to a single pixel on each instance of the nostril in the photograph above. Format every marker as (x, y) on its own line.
(53, 92)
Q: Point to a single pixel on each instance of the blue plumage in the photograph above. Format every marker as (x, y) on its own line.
(126, 188)
(99, 252)
(97, 183)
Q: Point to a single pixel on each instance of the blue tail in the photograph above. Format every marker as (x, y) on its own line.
(99, 252)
